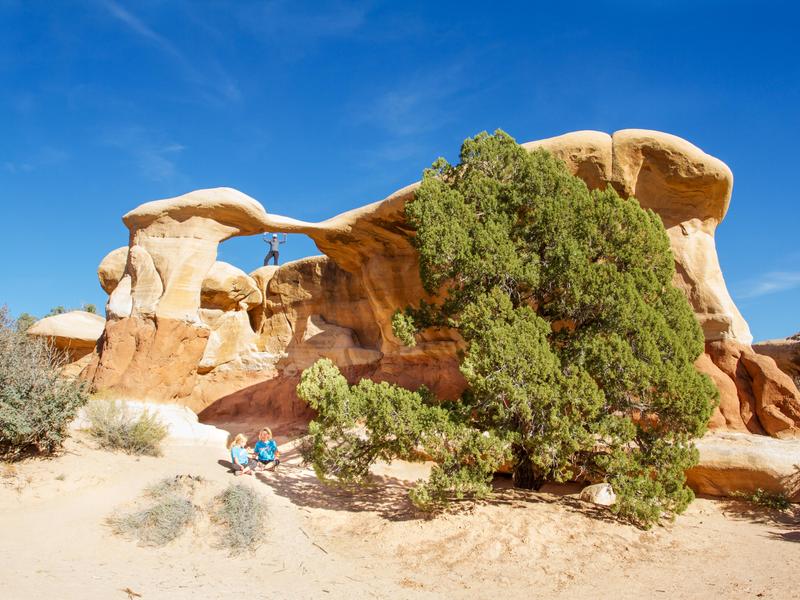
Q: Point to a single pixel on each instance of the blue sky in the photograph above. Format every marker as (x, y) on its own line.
(316, 108)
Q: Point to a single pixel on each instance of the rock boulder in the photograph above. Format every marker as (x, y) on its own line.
(76, 332)
(733, 463)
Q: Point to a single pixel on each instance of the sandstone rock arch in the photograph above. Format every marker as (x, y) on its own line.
(185, 328)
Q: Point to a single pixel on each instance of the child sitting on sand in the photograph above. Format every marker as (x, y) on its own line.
(266, 449)
(239, 456)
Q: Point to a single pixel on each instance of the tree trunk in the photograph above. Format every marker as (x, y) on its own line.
(525, 475)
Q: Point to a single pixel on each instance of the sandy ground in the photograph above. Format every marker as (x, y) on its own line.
(323, 543)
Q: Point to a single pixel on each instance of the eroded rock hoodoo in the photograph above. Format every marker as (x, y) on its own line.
(185, 328)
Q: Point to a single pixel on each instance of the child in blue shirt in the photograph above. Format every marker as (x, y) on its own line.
(266, 449)
(239, 456)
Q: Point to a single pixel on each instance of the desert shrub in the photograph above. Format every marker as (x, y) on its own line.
(180, 484)
(168, 514)
(36, 403)
(580, 351)
(115, 428)
(765, 499)
(242, 512)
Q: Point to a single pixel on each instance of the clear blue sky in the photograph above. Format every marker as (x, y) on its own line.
(316, 108)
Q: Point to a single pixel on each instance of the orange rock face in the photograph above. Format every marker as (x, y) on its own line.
(148, 359)
(769, 402)
(183, 327)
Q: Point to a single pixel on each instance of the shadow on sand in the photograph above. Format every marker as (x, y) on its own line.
(226, 463)
(786, 522)
(387, 496)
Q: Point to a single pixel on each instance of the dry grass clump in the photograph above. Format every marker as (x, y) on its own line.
(115, 428)
(242, 512)
(170, 512)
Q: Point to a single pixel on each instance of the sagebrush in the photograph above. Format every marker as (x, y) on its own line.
(580, 352)
(169, 513)
(36, 403)
(116, 427)
(243, 513)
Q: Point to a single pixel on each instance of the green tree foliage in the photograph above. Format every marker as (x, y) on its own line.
(24, 322)
(36, 404)
(579, 352)
(361, 424)
(60, 310)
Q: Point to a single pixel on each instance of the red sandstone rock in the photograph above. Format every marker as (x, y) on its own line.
(148, 359)
(769, 402)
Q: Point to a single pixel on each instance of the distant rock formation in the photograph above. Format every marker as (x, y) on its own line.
(74, 333)
(785, 353)
(183, 327)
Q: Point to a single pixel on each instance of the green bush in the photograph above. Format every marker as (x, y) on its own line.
(170, 512)
(580, 351)
(115, 428)
(36, 403)
(764, 499)
(243, 513)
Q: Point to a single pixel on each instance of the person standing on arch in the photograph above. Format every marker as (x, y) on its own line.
(274, 245)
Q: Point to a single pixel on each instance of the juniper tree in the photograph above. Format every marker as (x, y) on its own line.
(579, 350)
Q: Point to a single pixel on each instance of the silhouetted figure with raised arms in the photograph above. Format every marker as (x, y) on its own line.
(274, 245)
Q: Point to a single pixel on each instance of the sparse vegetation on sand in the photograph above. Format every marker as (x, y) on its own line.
(765, 499)
(115, 427)
(36, 404)
(168, 514)
(243, 514)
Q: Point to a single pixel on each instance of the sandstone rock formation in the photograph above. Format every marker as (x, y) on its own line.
(735, 462)
(227, 288)
(185, 328)
(768, 399)
(691, 191)
(112, 268)
(785, 353)
(74, 333)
